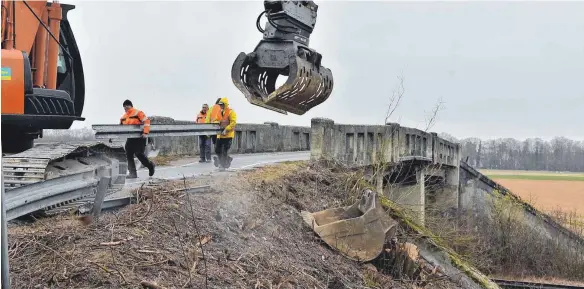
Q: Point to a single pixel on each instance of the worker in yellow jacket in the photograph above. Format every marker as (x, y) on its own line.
(213, 117)
(227, 120)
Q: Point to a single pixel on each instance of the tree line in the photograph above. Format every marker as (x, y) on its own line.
(558, 154)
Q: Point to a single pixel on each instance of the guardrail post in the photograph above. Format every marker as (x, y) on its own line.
(100, 196)
(5, 268)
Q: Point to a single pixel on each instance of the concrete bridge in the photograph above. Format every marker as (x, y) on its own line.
(414, 168)
(419, 169)
(403, 160)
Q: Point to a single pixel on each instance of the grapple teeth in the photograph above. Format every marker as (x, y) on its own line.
(241, 72)
(284, 51)
(307, 86)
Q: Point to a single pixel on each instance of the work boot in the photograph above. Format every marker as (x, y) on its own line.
(216, 161)
(151, 169)
(132, 175)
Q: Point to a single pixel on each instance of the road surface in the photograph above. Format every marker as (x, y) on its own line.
(191, 167)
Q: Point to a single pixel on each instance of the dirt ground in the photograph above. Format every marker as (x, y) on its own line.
(248, 226)
(549, 195)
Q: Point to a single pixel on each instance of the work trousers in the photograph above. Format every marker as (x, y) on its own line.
(205, 147)
(222, 150)
(136, 146)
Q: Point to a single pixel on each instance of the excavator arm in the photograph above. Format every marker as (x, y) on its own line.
(284, 51)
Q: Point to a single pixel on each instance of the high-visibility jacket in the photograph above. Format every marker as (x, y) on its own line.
(227, 119)
(135, 116)
(214, 114)
(202, 117)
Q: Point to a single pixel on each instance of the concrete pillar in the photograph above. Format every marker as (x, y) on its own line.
(379, 183)
(411, 197)
(322, 139)
(450, 194)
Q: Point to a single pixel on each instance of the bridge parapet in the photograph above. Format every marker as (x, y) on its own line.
(445, 152)
(249, 138)
(364, 145)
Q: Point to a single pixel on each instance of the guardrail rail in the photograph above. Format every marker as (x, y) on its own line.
(116, 131)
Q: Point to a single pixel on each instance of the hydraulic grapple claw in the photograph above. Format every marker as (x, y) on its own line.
(307, 86)
(284, 51)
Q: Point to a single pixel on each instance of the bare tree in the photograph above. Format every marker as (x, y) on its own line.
(396, 97)
(433, 115)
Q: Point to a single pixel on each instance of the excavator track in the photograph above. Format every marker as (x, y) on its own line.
(46, 162)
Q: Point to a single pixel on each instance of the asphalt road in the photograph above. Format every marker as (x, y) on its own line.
(191, 167)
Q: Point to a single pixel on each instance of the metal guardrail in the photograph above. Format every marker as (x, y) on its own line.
(24, 200)
(116, 131)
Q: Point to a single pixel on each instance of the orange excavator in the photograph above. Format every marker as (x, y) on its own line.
(42, 74)
(43, 87)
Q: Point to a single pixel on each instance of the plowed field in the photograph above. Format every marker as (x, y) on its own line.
(560, 194)
(549, 194)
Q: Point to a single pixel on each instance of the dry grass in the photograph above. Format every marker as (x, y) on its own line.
(504, 244)
(246, 233)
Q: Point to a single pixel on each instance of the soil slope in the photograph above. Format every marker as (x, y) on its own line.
(248, 225)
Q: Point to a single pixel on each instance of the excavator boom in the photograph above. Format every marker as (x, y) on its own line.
(284, 51)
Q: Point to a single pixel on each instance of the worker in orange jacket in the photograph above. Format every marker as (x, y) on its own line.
(136, 146)
(204, 140)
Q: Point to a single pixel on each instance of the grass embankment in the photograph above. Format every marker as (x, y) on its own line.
(244, 233)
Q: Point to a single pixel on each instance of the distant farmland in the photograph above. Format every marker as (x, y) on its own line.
(548, 191)
(533, 175)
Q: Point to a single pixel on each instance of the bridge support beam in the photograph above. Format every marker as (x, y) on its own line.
(412, 197)
(447, 199)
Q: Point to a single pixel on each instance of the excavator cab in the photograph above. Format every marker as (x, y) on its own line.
(42, 74)
(284, 51)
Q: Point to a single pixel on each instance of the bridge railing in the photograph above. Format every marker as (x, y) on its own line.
(249, 138)
(415, 144)
(362, 145)
(445, 152)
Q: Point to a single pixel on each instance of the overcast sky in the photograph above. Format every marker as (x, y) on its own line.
(503, 69)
